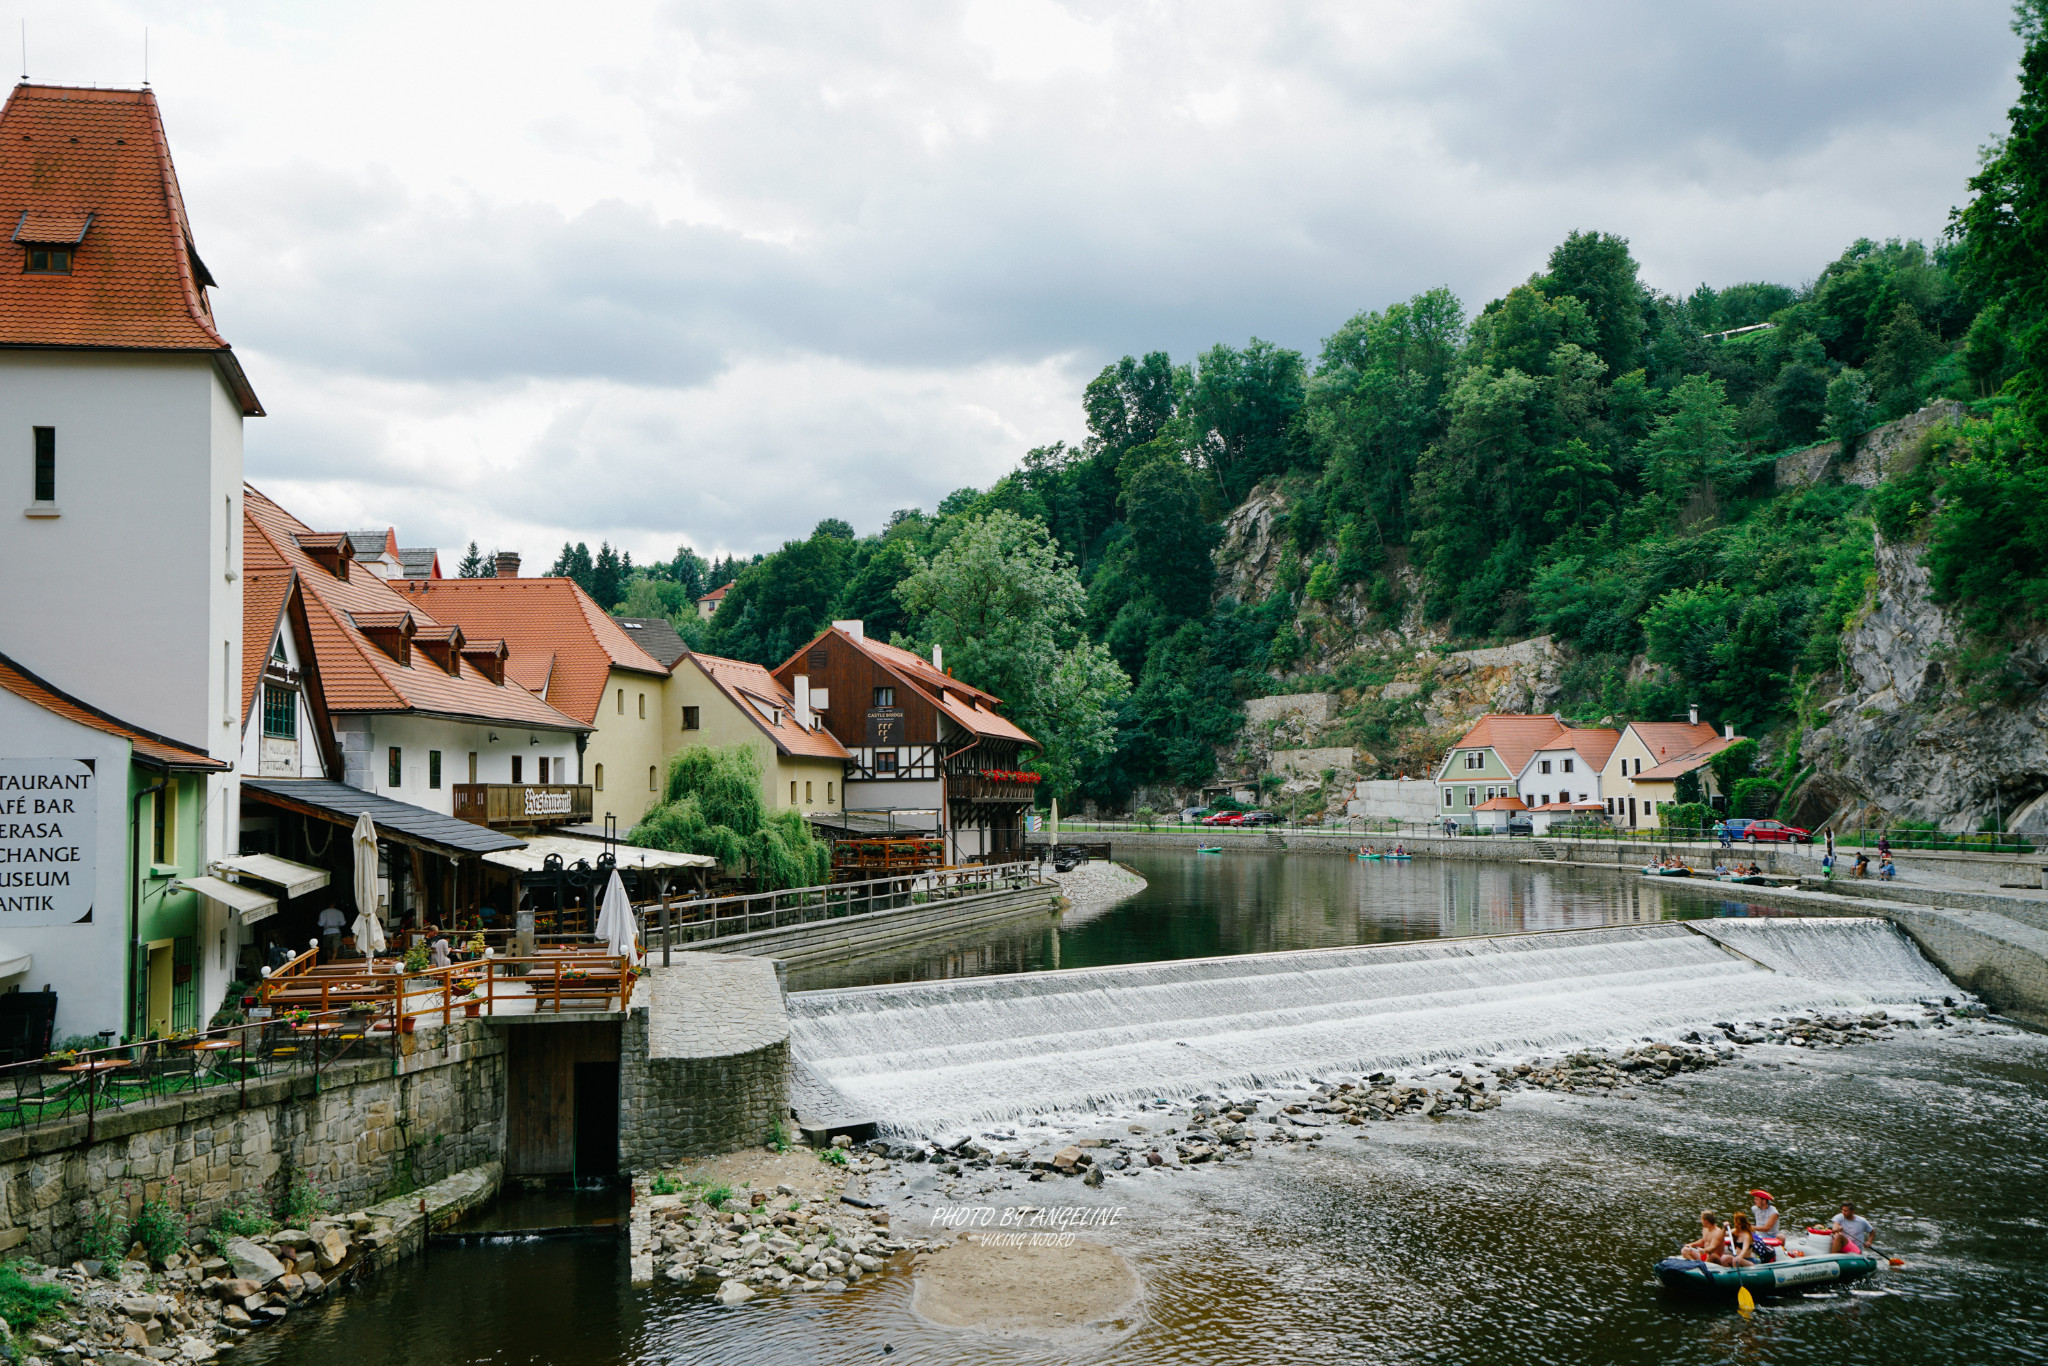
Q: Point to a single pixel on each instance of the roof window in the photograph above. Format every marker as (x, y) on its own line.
(48, 261)
(50, 239)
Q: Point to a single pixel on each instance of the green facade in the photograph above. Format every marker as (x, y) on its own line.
(1469, 787)
(165, 968)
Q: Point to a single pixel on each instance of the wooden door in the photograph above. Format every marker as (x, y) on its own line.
(541, 1117)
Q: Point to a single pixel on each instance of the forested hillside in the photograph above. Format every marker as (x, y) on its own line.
(1591, 456)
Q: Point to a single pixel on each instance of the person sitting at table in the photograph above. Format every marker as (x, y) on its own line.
(438, 952)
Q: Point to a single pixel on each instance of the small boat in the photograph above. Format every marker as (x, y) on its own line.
(1400, 856)
(1667, 872)
(1362, 854)
(1804, 1267)
(1209, 849)
(1746, 879)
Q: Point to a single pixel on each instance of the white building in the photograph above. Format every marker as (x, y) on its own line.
(121, 411)
(1565, 769)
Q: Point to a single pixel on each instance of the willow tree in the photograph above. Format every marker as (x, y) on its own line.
(711, 804)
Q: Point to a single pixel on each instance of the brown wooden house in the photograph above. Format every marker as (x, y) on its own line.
(929, 752)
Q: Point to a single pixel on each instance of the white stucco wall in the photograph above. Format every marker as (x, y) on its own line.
(309, 764)
(84, 963)
(366, 740)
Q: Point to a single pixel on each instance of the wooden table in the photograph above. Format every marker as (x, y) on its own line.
(96, 1073)
(213, 1054)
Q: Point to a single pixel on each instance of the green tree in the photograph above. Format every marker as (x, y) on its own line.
(775, 606)
(608, 575)
(1849, 410)
(1691, 444)
(574, 563)
(473, 565)
(1905, 351)
(712, 804)
(1597, 270)
(1244, 405)
(1009, 609)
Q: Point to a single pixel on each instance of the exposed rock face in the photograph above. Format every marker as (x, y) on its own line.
(1891, 449)
(1902, 740)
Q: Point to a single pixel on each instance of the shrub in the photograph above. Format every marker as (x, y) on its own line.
(242, 1219)
(663, 1184)
(24, 1302)
(106, 1233)
(302, 1203)
(1755, 797)
(1688, 816)
(836, 1156)
(159, 1228)
(717, 1196)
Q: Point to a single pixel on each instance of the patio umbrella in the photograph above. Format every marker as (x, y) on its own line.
(615, 921)
(369, 932)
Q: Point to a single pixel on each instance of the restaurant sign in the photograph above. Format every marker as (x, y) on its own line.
(49, 823)
(885, 725)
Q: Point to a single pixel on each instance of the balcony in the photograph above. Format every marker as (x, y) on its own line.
(979, 787)
(519, 804)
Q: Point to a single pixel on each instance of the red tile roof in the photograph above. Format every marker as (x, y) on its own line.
(536, 616)
(740, 681)
(69, 155)
(1502, 804)
(716, 595)
(264, 595)
(1515, 737)
(969, 707)
(356, 675)
(146, 744)
(1685, 761)
(1591, 743)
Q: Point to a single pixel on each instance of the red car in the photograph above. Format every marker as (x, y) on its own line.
(1224, 818)
(1776, 831)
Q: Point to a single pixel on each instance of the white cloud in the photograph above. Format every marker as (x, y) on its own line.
(514, 272)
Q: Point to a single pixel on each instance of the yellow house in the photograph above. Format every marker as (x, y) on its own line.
(563, 647)
(718, 701)
(1641, 775)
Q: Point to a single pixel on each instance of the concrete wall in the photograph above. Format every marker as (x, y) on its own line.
(825, 941)
(704, 1065)
(1394, 799)
(205, 1151)
(1310, 763)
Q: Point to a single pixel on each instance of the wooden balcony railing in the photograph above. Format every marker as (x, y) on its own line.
(500, 804)
(973, 787)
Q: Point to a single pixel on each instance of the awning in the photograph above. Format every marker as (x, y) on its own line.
(252, 904)
(296, 878)
(867, 824)
(13, 960)
(573, 849)
(399, 822)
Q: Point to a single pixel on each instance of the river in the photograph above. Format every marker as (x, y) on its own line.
(1524, 1234)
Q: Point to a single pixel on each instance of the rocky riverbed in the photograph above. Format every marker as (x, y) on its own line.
(1097, 885)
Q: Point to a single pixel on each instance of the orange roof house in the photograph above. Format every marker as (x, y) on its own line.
(86, 186)
(767, 705)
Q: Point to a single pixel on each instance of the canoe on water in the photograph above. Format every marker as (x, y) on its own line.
(1209, 849)
(1667, 872)
(1748, 880)
(1804, 1263)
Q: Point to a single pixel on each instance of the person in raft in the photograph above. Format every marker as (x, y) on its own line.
(1763, 1215)
(1852, 1231)
(1713, 1238)
(1740, 1249)
(1399, 850)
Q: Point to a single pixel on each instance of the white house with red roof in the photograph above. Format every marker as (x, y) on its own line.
(1562, 776)
(1641, 775)
(1487, 761)
(121, 412)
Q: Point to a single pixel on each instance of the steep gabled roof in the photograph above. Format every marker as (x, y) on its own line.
(420, 562)
(657, 636)
(357, 676)
(92, 169)
(1687, 760)
(743, 683)
(1514, 736)
(1591, 743)
(146, 745)
(1666, 740)
(972, 709)
(532, 616)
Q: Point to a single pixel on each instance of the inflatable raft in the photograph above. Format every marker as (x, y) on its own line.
(1807, 1266)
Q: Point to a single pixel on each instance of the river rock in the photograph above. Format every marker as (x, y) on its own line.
(1066, 1158)
(252, 1263)
(735, 1292)
(331, 1248)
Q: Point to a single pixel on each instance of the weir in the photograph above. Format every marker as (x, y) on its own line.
(927, 1056)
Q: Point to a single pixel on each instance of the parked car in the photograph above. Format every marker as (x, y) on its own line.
(1224, 818)
(1260, 818)
(1523, 826)
(1194, 813)
(1773, 832)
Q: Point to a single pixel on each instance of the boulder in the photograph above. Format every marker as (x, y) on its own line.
(735, 1292)
(330, 1249)
(252, 1263)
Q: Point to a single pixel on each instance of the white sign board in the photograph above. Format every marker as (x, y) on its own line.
(49, 820)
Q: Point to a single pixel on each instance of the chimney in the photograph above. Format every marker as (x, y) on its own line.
(802, 689)
(508, 564)
(938, 658)
(1728, 731)
(1693, 714)
(852, 628)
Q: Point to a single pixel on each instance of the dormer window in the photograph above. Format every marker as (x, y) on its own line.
(48, 240)
(49, 261)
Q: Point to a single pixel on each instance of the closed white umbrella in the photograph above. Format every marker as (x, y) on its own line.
(615, 921)
(368, 930)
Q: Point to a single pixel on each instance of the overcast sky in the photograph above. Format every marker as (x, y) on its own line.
(709, 272)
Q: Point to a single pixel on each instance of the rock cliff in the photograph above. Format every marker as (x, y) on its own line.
(1903, 740)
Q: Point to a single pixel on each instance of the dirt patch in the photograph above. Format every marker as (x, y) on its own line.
(1081, 1291)
(799, 1169)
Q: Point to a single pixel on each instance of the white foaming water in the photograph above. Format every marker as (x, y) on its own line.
(930, 1055)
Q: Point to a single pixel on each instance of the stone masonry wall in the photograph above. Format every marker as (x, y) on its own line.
(367, 1129)
(704, 1064)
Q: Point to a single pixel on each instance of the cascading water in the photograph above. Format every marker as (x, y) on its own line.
(926, 1056)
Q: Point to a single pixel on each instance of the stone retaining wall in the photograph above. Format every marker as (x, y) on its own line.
(357, 1133)
(704, 1065)
(824, 941)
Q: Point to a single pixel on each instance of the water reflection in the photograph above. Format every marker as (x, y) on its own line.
(1215, 905)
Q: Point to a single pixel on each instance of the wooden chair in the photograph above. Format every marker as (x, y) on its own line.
(30, 1097)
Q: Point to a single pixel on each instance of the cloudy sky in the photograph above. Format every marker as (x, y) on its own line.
(707, 272)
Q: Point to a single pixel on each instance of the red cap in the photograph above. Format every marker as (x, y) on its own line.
(1765, 1194)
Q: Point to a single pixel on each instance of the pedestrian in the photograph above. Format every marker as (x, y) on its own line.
(331, 922)
(1721, 833)
(1831, 842)
(1884, 846)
